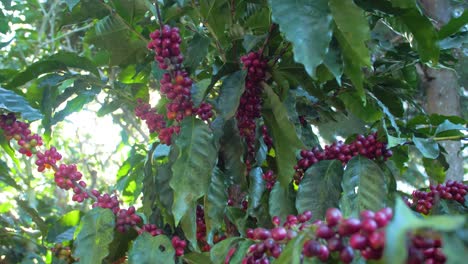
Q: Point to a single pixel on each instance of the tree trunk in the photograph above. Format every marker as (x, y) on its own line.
(442, 90)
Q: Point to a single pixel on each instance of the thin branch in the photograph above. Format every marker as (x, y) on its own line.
(158, 12)
(283, 50)
(267, 40)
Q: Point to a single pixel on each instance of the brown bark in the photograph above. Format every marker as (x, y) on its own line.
(442, 89)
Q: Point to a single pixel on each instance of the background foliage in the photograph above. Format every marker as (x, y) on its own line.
(341, 67)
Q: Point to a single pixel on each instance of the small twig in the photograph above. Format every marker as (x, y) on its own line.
(158, 12)
(267, 40)
(283, 50)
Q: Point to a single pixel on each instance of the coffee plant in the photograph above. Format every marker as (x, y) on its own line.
(259, 132)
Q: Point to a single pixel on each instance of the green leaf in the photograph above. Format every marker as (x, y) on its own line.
(95, 235)
(6, 177)
(196, 51)
(320, 188)
(257, 187)
(193, 166)
(454, 25)
(230, 93)
(352, 22)
(250, 41)
(55, 63)
(424, 33)
(334, 61)
(199, 90)
(197, 258)
(352, 68)
(293, 251)
(151, 250)
(447, 126)
(307, 24)
(368, 112)
(71, 4)
(364, 187)
(404, 221)
(34, 214)
(114, 29)
(436, 168)
(232, 152)
(219, 251)
(16, 103)
(427, 146)
(238, 217)
(241, 251)
(216, 201)
(453, 244)
(75, 105)
(68, 221)
(284, 135)
(281, 203)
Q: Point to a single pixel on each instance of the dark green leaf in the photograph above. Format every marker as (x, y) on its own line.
(216, 201)
(232, 153)
(196, 51)
(257, 187)
(320, 188)
(151, 250)
(58, 62)
(454, 25)
(352, 23)
(427, 146)
(424, 33)
(307, 24)
(193, 166)
(199, 90)
(281, 203)
(219, 251)
(284, 135)
(364, 187)
(96, 233)
(230, 94)
(334, 61)
(368, 112)
(16, 103)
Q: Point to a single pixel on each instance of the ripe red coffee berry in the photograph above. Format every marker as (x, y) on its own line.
(333, 216)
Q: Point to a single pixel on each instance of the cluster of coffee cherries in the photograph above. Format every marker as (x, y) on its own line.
(63, 253)
(269, 179)
(48, 159)
(20, 131)
(425, 247)
(269, 243)
(126, 219)
(174, 84)
(335, 234)
(201, 229)
(266, 137)
(250, 102)
(368, 147)
(106, 201)
(179, 245)
(451, 190)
